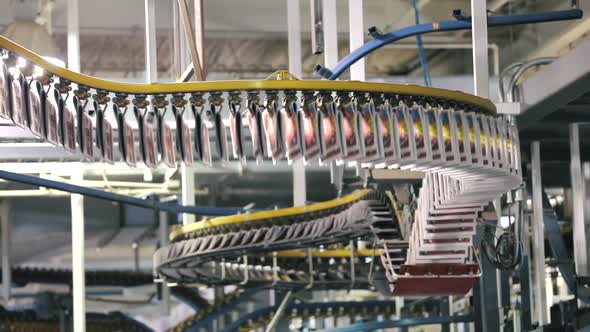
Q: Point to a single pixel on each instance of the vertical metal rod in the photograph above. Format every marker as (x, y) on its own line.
(294, 37)
(317, 26)
(295, 67)
(538, 236)
(199, 35)
(187, 181)
(176, 38)
(77, 201)
(190, 36)
(163, 235)
(151, 58)
(5, 215)
(357, 37)
(579, 196)
(279, 312)
(73, 35)
(479, 36)
(330, 27)
(78, 275)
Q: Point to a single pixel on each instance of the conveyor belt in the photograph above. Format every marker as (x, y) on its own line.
(24, 275)
(28, 321)
(469, 156)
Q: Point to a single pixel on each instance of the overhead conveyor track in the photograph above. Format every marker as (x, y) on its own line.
(467, 153)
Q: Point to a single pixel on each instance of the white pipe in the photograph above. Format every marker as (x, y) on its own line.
(479, 36)
(538, 244)
(73, 35)
(295, 67)
(163, 235)
(78, 248)
(357, 37)
(5, 215)
(151, 58)
(187, 177)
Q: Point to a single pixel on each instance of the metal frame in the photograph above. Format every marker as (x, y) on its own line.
(538, 238)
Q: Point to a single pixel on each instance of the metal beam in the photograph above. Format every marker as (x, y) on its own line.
(295, 67)
(78, 249)
(151, 57)
(479, 36)
(357, 37)
(187, 178)
(190, 36)
(6, 216)
(163, 237)
(579, 201)
(556, 85)
(199, 36)
(73, 35)
(538, 243)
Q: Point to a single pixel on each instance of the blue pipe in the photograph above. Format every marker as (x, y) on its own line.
(129, 200)
(462, 24)
(376, 325)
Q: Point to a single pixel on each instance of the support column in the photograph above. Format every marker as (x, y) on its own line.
(6, 219)
(73, 35)
(199, 34)
(187, 182)
(163, 237)
(578, 195)
(78, 248)
(77, 201)
(295, 67)
(486, 294)
(357, 37)
(538, 244)
(151, 58)
(479, 37)
(330, 30)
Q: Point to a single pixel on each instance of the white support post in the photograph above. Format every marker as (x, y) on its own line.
(479, 36)
(5, 215)
(163, 235)
(295, 67)
(357, 37)
(294, 37)
(78, 248)
(77, 201)
(579, 197)
(187, 179)
(538, 237)
(73, 26)
(330, 28)
(151, 58)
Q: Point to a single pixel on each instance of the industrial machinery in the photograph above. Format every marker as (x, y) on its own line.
(466, 154)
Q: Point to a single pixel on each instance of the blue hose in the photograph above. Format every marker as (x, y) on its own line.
(421, 54)
(419, 29)
(129, 200)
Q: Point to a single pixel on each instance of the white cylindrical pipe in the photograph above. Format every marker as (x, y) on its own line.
(357, 37)
(78, 248)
